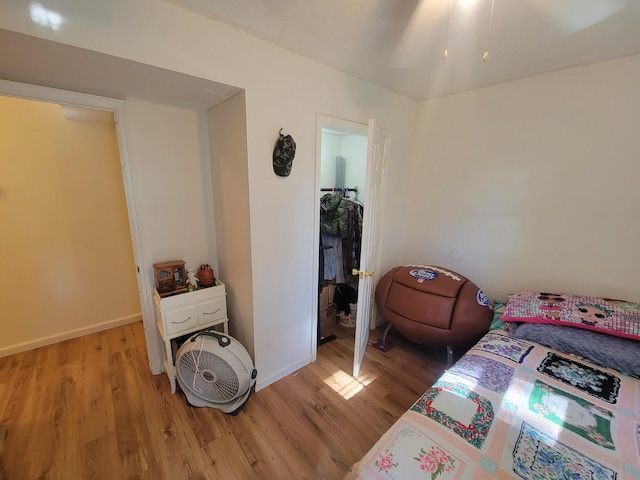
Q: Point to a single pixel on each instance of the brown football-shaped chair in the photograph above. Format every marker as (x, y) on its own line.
(433, 306)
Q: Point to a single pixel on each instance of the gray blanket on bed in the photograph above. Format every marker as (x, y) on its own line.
(622, 354)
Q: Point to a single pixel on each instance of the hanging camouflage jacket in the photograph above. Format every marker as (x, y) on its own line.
(334, 215)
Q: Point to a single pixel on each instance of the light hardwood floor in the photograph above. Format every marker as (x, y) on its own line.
(88, 408)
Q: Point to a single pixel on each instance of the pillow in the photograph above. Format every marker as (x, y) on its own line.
(498, 309)
(608, 351)
(614, 317)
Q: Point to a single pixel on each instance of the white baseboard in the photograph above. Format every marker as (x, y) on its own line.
(265, 382)
(60, 337)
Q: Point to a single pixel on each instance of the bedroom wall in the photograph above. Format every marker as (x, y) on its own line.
(66, 251)
(535, 181)
(227, 124)
(172, 171)
(169, 161)
(282, 210)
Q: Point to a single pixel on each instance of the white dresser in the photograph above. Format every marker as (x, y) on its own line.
(186, 313)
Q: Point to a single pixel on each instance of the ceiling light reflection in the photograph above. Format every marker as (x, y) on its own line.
(44, 17)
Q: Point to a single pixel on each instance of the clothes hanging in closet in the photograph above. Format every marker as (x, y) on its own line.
(333, 258)
(340, 222)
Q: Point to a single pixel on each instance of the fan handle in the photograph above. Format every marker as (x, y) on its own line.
(223, 340)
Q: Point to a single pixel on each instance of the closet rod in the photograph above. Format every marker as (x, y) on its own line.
(335, 189)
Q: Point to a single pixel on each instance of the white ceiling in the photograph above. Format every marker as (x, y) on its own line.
(395, 44)
(398, 44)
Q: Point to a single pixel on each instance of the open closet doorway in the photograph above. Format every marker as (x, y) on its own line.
(349, 175)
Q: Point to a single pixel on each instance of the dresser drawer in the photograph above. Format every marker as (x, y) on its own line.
(211, 311)
(180, 319)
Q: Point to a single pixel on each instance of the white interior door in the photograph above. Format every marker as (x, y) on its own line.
(370, 237)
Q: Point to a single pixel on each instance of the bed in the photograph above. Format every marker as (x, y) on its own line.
(512, 407)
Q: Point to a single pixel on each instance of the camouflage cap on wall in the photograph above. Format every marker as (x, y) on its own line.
(283, 154)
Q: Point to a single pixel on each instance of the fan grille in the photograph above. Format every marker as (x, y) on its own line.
(208, 376)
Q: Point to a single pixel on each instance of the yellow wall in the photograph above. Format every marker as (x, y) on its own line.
(67, 260)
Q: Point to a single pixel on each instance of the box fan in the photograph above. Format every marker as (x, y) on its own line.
(214, 370)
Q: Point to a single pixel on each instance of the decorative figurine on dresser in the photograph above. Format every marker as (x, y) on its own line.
(192, 280)
(181, 311)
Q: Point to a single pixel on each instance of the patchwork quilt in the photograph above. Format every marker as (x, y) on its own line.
(511, 408)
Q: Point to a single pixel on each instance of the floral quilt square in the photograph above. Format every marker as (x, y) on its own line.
(504, 346)
(537, 456)
(590, 421)
(486, 372)
(592, 381)
(410, 453)
(458, 408)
